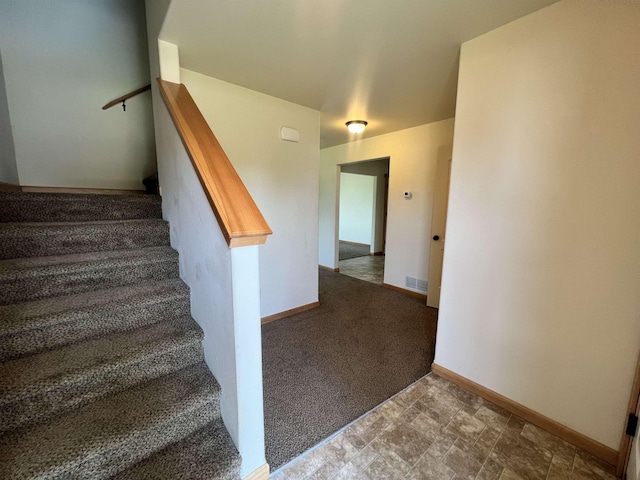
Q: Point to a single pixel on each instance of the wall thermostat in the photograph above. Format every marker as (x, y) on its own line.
(407, 195)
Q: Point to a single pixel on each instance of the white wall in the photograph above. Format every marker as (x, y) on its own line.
(8, 167)
(357, 208)
(541, 271)
(377, 168)
(282, 177)
(413, 154)
(62, 61)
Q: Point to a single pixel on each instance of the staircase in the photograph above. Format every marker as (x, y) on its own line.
(102, 372)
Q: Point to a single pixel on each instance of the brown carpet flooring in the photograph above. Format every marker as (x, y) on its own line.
(326, 367)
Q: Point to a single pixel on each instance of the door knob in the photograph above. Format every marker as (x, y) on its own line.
(436, 237)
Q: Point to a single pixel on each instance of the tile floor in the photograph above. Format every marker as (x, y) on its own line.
(435, 430)
(369, 268)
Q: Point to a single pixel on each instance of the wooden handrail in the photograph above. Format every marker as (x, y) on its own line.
(121, 99)
(240, 219)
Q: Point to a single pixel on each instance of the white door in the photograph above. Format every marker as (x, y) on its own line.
(438, 223)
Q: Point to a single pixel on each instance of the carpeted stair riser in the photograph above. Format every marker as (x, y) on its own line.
(41, 325)
(101, 364)
(62, 207)
(19, 240)
(104, 437)
(26, 279)
(207, 454)
(40, 386)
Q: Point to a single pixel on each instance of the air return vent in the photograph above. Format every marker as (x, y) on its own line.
(416, 284)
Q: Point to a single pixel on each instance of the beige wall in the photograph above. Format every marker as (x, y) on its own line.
(282, 177)
(62, 61)
(540, 296)
(413, 153)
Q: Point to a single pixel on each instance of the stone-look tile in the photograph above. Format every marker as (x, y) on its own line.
(587, 466)
(368, 268)
(499, 410)
(470, 399)
(410, 414)
(491, 418)
(370, 426)
(339, 450)
(464, 464)
(408, 397)
(441, 444)
(487, 440)
(379, 469)
(350, 472)
(439, 405)
(304, 466)
(355, 439)
(364, 458)
(521, 455)
(490, 471)
(326, 472)
(427, 425)
(552, 443)
(405, 441)
(430, 380)
(392, 458)
(481, 449)
(560, 469)
(515, 424)
(466, 426)
(508, 474)
(391, 409)
(430, 468)
(434, 431)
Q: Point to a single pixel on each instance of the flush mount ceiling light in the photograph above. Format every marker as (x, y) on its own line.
(356, 126)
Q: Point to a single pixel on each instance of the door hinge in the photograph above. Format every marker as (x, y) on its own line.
(632, 425)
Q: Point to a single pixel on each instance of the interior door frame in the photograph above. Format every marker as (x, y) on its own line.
(336, 239)
(633, 409)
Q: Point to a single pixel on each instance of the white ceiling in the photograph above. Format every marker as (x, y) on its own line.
(393, 63)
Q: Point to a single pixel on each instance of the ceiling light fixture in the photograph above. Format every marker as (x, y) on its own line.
(356, 126)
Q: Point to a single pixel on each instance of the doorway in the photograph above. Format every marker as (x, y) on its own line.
(362, 216)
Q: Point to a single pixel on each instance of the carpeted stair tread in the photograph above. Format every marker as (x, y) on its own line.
(19, 240)
(35, 387)
(39, 325)
(102, 438)
(23, 279)
(207, 454)
(61, 207)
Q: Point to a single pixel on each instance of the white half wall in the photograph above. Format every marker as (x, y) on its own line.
(282, 178)
(224, 293)
(62, 62)
(413, 153)
(357, 208)
(540, 295)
